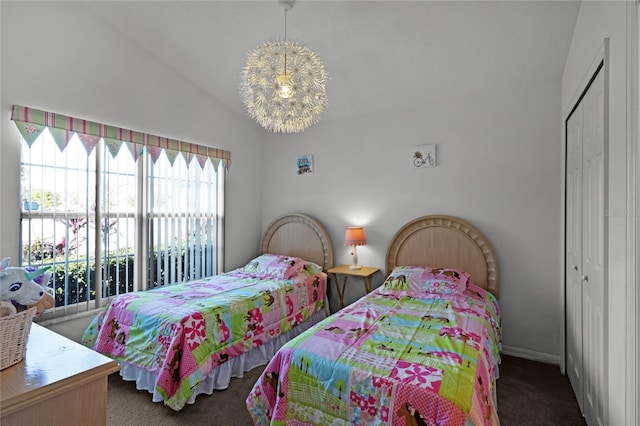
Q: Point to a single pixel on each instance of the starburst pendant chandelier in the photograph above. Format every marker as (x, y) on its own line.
(283, 84)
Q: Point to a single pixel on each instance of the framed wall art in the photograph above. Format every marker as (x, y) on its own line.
(304, 164)
(423, 156)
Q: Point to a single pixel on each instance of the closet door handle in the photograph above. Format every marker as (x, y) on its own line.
(575, 267)
(585, 278)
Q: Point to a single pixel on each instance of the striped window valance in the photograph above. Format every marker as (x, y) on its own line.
(31, 122)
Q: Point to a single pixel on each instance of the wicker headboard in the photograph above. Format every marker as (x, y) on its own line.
(299, 235)
(445, 241)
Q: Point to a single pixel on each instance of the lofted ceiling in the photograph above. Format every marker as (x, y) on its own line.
(380, 55)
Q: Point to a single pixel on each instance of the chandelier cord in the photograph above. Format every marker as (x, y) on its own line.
(285, 24)
(285, 39)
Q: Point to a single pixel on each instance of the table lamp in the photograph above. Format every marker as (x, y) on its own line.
(354, 236)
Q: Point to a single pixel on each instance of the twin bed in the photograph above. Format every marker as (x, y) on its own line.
(423, 348)
(183, 340)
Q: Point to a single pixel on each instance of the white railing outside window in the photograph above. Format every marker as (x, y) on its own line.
(181, 223)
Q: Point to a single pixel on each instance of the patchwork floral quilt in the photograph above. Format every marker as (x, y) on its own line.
(393, 357)
(183, 331)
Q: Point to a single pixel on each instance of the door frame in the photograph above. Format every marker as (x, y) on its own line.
(632, 355)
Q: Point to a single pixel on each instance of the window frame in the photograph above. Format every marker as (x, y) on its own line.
(140, 216)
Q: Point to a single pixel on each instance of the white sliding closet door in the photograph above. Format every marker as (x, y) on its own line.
(573, 254)
(585, 245)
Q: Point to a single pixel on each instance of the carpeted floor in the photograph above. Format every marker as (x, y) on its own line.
(529, 393)
(534, 393)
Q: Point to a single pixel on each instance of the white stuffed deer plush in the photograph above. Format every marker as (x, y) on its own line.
(17, 284)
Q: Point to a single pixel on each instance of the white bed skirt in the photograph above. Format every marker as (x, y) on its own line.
(220, 377)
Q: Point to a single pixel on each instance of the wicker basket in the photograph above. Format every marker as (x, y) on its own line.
(14, 333)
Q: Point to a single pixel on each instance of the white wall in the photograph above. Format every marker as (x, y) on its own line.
(499, 154)
(597, 20)
(59, 57)
(499, 167)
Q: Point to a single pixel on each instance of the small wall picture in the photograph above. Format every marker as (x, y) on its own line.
(424, 156)
(304, 164)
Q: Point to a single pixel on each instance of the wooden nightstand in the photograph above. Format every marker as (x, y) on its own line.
(366, 273)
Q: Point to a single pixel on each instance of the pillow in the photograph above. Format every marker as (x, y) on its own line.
(457, 276)
(276, 266)
(404, 278)
(418, 279)
(310, 268)
(445, 287)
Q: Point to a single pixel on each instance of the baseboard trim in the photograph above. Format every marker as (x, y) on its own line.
(532, 355)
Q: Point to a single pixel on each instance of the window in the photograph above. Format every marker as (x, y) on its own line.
(110, 218)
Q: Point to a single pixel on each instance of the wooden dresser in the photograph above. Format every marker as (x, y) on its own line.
(58, 382)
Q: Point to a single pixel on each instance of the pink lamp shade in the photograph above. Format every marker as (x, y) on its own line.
(354, 236)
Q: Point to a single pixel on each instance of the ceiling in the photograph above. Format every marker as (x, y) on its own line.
(380, 55)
